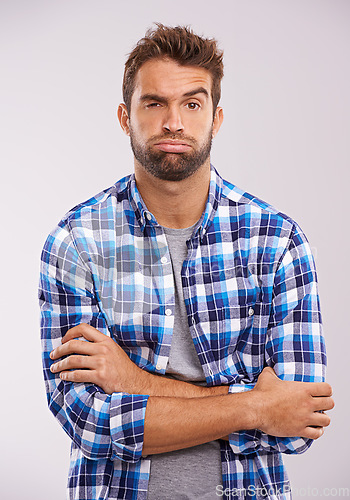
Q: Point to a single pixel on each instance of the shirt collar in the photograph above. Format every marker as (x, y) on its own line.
(145, 217)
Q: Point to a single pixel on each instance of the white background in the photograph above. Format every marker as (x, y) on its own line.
(285, 138)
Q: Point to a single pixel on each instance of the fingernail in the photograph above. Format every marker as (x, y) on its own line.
(53, 368)
(52, 354)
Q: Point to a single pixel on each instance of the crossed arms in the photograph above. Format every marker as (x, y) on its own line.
(111, 408)
(179, 414)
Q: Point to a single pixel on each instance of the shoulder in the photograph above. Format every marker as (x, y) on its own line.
(101, 201)
(251, 203)
(259, 221)
(83, 218)
(258, 210)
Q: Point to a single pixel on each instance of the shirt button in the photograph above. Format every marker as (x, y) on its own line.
(168, 312)
(210, 372)
(251, 311)
(158, 366)
(141, 220)
(164, 260)
(148, 216)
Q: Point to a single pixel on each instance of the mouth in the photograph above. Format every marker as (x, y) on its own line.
(171, 146)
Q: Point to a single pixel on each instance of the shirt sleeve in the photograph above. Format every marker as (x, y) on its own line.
(295, 346)
(101, 425)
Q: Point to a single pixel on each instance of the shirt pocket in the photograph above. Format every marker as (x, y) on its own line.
(245, 340)
(236, 324)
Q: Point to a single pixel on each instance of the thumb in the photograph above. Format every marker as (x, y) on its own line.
(269, 371)
(86, 331)
(266, 377)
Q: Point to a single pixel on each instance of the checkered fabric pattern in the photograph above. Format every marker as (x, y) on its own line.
(250, 291)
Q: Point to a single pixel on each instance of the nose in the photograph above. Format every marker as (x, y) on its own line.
(172, 120)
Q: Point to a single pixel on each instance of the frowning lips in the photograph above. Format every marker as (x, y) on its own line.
(172, 146)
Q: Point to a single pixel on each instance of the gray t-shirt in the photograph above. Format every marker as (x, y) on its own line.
(192, 473)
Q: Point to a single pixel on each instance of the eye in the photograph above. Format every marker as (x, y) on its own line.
(193, 105)
(153, 105)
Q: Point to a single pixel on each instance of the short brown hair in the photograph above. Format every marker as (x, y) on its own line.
(181, 45)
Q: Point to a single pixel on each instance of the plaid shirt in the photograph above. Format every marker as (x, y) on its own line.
(250, 291)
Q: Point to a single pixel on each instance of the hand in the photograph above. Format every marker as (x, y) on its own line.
(103, 362)
(100, 361)
(292, 408)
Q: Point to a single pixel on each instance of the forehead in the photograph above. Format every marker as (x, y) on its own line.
(169, 79)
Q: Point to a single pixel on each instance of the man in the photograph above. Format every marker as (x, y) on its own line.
(190, 296)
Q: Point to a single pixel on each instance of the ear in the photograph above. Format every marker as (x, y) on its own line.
(218, 119)
(123, 118)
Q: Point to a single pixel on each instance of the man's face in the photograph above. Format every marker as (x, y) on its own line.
(171, 119)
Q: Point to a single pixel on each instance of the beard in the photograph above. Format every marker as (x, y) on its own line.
(171, 166)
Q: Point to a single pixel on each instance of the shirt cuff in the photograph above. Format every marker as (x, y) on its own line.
(244, 441)
(127, 420)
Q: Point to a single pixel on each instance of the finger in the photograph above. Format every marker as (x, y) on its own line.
(84, 330)
(319, 389)
(313, 432)
(320, 420)
(73, 362)
(74, 346)
(322, 404)
(79, 376)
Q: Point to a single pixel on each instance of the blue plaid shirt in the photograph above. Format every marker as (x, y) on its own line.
(250, 291)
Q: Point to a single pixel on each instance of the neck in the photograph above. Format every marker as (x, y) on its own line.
(175, 204)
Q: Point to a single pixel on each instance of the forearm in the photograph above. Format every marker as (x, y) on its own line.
(177, 423)
(275, 407)
(163, 386)
(181, 415)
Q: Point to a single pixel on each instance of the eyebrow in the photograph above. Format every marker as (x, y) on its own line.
(191, 93)
(200, 90)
